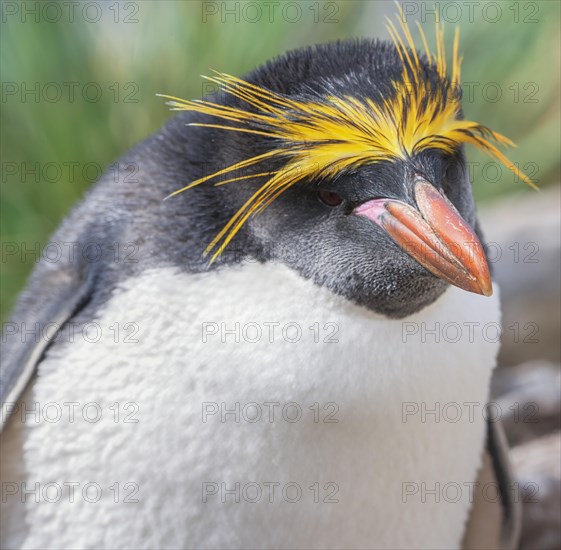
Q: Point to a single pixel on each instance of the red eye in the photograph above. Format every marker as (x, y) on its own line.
(329, 198)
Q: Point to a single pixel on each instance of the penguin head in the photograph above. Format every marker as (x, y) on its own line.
(345, 162)
(378, 235)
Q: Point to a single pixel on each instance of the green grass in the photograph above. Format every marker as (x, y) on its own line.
(170, 46)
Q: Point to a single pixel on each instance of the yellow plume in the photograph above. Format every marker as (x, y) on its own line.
(321, 138)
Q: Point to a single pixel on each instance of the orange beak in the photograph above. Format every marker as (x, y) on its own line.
(436, 236)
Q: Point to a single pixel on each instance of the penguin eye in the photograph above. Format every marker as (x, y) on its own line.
(329, 198)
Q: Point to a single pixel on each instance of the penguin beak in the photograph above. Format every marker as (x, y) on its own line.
(435, 235)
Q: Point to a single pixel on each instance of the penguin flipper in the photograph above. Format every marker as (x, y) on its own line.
(498, 449)
(494, 522)
(62, 295)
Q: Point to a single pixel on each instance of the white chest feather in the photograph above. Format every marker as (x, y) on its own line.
(270, 414)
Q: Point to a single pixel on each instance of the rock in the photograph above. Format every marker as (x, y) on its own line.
(523, 235)
(537, 468)
(529, 400)
(528, 397)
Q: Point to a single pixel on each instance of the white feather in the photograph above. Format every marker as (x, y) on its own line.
(371, 373)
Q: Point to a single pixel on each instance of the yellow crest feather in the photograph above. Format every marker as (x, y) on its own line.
(321, 138)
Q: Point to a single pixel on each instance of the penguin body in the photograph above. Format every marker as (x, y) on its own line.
(337, 423)
(340, 310)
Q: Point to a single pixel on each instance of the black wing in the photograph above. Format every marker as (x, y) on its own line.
(494, 522)
(26, 339)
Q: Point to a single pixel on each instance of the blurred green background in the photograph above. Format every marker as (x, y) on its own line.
(119, 55)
